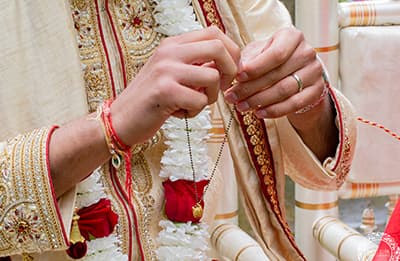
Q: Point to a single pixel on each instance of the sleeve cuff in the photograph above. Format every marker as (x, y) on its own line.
(302, 164)
(30, 217)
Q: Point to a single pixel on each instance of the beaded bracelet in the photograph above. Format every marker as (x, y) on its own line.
(323, 94)
(117, 148)
(320, 99)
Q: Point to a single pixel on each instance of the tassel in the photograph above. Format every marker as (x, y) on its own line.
(78, 247)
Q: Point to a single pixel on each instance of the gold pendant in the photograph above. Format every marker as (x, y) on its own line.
(197, 210)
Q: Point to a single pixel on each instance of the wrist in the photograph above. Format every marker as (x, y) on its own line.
(313, 118)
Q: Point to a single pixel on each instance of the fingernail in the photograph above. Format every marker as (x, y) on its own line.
(243, 106)
(261, 114)
(231, 97)
(242, 77)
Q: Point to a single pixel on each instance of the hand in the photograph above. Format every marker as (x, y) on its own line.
(265, 81)
(176, 79)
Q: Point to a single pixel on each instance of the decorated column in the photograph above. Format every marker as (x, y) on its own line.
(319, 22)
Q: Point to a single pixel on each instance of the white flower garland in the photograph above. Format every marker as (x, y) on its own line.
(89, 192)
(177, 241)
(182, 241)
(175, 17)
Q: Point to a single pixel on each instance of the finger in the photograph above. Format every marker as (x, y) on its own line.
(303, 56)
(209, 33)
(210, 50)
(281, 48)
(284, 89)
(291, 105)
(184, 98)
(202, 78)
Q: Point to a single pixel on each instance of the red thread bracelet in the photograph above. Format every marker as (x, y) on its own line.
(115, 145)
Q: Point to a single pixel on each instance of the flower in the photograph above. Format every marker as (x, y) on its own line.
(97, 220)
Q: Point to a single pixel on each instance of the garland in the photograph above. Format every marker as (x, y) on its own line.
(177, 240)
(183, 237)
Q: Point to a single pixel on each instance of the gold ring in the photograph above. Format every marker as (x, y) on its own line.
(299, 82)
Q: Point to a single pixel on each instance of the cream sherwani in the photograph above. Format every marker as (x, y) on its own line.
(59, 60)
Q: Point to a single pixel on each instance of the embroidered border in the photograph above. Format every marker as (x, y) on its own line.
(211, 13)
(346, 150)
(133, 26)
(93, 56)
(255, 133)
(29, 217)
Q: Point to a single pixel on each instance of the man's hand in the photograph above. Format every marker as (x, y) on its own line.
(177, 79)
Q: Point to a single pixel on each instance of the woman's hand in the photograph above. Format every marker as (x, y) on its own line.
(266, 83)
(177, 79)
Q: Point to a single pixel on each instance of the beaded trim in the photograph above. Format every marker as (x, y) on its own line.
(29, 215)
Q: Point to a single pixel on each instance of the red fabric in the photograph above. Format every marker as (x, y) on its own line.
(97, 220)
(180, 198)
(388, 248)
(77, 250)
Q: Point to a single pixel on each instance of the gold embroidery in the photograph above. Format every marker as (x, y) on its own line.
(134, 24)
(342, 167)
(92, 54)
(211, 14)
(29, 221)
(263, 160)
(142, 181)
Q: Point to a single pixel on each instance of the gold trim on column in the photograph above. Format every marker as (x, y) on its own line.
(216, 235)
(361, 190)
(320, 226)
(226, 215)
(321, 206)
(341, 243)
(326, 49)
(242, 250)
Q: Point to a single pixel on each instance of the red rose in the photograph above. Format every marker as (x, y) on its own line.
(180, 198)
(97, 220)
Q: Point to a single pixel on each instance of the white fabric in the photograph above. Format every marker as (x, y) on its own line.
(369, 69)
(27, 76)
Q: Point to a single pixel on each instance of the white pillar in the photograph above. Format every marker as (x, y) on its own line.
(310, 206)
(318, 19)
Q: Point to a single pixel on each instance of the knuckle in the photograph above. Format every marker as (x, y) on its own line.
(165, 42)
(236, 51)
(243, 92)
(160, 70)
(214, 76)
(218, 46)
(279, 55)
(319, 69)
(309, 53)
(298, 102)
(284, 89)
(300, 34)
(272, 112)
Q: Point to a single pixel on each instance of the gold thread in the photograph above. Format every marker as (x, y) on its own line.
(320, 206)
